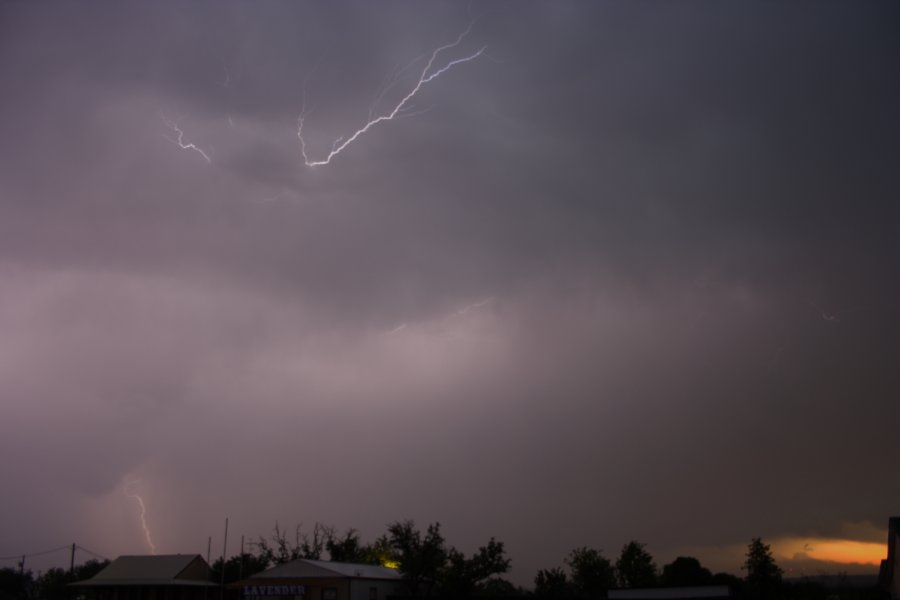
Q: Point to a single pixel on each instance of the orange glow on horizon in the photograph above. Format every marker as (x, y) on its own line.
(831, 550)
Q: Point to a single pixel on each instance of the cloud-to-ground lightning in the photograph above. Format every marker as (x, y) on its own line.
(126, 488)
(428, 74)
(180, 140)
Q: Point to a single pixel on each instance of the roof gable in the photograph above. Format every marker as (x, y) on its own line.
(165, 567)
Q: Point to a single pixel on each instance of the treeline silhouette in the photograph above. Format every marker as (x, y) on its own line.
(433, 569)
(52, 584)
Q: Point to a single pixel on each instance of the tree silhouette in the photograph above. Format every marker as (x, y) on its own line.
(497, 587)
(380, 552)
(421, 558)
(279, 549)
(463, 576)
(635, 567)
(551, 584)
(763, 578)
(347, 548)
(427, 562)
(592, 573)
(15, 583)
(685, 570)
(52, 584)
(239, 566)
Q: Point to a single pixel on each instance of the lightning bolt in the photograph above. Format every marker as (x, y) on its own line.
(472, 306)
(226, 80)
(454, 315)
(284, 192)
(397, 329)
(428, 74)
(140, 501)
(180, 140)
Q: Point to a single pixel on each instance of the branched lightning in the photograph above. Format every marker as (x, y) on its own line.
(140, 501)
(180, 140)
(400, 109)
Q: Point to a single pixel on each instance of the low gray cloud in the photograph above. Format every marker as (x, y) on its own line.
(628, 275)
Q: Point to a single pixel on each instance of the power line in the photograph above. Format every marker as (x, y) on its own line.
(94, 554)
(21, 556)
(51, 551)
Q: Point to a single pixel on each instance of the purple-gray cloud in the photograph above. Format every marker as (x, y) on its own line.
(580, 299)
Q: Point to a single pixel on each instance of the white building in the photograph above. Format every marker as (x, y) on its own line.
(305, 579)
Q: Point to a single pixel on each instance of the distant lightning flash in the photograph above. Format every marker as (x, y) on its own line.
(397, 329)
(472, 306)
(454, 315)
(426, 76)
(180, 141)
(140, 502)
(831, 317)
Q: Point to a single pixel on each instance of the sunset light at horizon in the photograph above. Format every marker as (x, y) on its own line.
(830, 550)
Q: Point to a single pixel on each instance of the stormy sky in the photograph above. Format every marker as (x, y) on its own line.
(629, 273)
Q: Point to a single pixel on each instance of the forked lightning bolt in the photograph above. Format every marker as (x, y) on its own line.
(140, 502)
(427, 75)
(180, 140)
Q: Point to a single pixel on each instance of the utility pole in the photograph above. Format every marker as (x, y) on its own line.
(224, 551)
(241, 568)
(22, 565)
(72, 560)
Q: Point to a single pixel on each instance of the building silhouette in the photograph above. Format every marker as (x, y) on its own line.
(889, 574)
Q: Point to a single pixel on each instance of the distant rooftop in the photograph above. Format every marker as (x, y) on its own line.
(164, 569)
(308, 568)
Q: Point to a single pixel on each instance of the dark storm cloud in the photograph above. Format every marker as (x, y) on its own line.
(629, 275)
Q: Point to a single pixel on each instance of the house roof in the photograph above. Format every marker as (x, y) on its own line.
(165, 569)
(308, 568)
